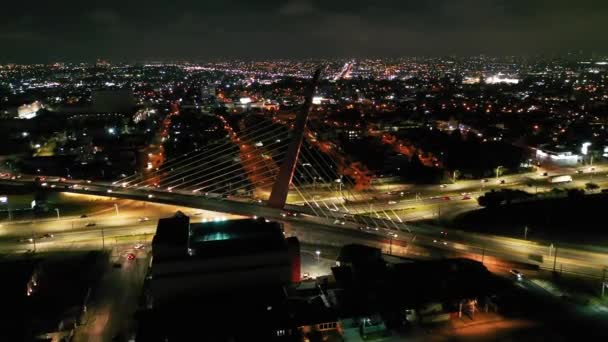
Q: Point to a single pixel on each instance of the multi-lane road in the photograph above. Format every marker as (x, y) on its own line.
(588, 260)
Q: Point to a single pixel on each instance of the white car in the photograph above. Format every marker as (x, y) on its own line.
(139, 246)
(143, 219)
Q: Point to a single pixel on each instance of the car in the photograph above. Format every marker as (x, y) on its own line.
(517, 274)
(502, 181)
(339, 222)
(579, 171)
(545, 173)
(305, 275)
(443, 186)
(446, 198)
(289, 214)
(130, 256)
(392, 202)
(466, 197)
(48, 236)
(150, 196)
(143, 219)
(23, 240)
(83, 216)
(484, 180)
(91, 224)
(139, 246)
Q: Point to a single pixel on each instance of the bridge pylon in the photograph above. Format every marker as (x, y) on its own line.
(280, 188)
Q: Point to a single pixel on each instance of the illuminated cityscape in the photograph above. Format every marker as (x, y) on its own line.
(442, 177)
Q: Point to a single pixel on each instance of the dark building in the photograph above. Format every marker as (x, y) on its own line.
(218, 281)
(113, 100)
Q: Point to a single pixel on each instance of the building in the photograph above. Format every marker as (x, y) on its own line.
(29, 111)
(220, 280)
(219, 256)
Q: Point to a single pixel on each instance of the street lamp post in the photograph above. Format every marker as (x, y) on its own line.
(604, 282)
(390, 250)
(4, 200)
(34, 241)
(318, 253)
(57, 210)
(554, 258)
(103, 240)
(498, 169)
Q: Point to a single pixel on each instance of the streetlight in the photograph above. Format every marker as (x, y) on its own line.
(34, 240)
(103, 240)
(498, 170)
(455, 174)
(4, 200)
(392, 235)
(57, 210)
(318, 253)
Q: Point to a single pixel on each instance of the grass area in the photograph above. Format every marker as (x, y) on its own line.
(568, 219)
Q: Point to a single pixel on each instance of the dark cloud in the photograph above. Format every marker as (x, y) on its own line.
(198, 29)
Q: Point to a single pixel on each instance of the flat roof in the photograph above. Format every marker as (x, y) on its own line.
(235, 237)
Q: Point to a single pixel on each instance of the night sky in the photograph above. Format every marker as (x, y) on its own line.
(129, 30)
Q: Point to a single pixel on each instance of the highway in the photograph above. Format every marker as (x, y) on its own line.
(425, 240)
(422, 242)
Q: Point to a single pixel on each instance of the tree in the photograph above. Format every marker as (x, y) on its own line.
(576, 194)
(591, 186)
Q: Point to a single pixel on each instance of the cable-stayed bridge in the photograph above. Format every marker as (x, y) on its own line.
(263, 166)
